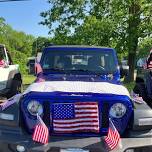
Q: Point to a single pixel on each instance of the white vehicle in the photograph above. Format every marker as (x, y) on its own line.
(10, 77)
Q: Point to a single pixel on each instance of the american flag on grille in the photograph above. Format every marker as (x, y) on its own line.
(113, 137)
(41, 132)
(76, 117)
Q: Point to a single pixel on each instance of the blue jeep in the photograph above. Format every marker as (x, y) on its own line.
(76, 91)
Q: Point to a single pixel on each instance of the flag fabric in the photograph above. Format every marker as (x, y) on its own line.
(10, 101)
(113, 137)
(41, 132)
(136, 98)
(78, 87)
(76, 117)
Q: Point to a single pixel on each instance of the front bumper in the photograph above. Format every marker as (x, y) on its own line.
(10, 139)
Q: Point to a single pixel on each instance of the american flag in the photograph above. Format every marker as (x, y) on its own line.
(76, 117)
(41, 132)
(113, 137)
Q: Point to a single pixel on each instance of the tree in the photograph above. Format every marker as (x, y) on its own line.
(19, 44)
(145, 45)
(39, 44)
(130, 19)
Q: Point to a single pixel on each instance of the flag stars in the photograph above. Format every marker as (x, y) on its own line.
(63, 111)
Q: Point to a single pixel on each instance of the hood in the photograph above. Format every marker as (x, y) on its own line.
(78, 87)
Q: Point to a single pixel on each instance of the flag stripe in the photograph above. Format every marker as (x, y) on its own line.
(78, 128)
(75, 120)
(78, 118)
(76, 124)
(86, 108)
(77, 131)
(86, 111)
(86, 115)
(85, 103)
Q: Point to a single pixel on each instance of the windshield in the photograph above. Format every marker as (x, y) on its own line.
(90, 61)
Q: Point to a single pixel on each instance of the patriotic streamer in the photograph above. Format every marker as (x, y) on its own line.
(10, 101)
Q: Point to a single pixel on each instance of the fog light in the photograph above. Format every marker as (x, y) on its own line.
(20, 148)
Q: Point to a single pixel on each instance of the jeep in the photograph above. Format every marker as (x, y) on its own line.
(76, 92)
(143, 83)
(10, 76)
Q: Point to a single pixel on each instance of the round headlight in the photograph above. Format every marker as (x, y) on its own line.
(34, 108)
(117, 110)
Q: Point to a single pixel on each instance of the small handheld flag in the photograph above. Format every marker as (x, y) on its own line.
(41, 132)
(113, 137)
(136, 98)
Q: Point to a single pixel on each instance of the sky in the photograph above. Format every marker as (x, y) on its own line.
(25, 16)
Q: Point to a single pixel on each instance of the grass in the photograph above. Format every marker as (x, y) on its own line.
(28, 79)
(129, 86)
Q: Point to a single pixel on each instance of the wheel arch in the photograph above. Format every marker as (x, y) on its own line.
(18, 76)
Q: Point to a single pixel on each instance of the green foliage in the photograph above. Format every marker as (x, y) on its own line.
(21, 59)
(144, 47)
(28, 79)
(95, 32)
(129, 86)
(39, 44)
(116, 23)
(19, 44)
